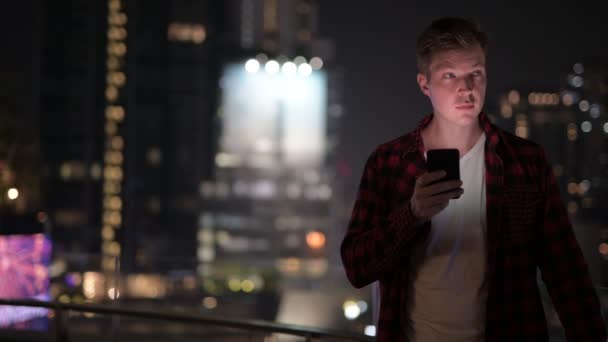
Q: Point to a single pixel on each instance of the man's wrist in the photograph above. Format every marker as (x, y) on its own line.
(412, 213)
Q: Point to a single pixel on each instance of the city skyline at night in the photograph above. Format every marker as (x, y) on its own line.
(205, 155)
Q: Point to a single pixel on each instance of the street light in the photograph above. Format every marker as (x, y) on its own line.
(12, 194)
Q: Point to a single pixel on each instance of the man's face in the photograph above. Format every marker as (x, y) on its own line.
(456, 85)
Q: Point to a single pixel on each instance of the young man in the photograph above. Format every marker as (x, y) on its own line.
(462, 265)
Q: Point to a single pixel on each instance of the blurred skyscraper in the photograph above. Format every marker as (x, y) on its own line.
(168, 133)
(71, 121)
(273, 211)
(127, 92)
(272, 196)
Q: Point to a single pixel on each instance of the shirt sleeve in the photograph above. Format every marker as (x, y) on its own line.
(564, 269)
(376, 236)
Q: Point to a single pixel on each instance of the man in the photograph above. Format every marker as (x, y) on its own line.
(457, 260)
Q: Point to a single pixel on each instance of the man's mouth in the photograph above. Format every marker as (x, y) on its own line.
(465, 106)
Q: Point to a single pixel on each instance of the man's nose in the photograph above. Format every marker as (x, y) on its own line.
(465, 84)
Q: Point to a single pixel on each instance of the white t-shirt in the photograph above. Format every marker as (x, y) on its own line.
(448, 291)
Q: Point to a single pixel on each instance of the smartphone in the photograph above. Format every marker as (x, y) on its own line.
(447, 159)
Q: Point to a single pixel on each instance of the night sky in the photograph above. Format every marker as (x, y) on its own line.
(531, 47)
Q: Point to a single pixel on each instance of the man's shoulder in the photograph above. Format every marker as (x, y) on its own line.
(399, 145)
(520, 145)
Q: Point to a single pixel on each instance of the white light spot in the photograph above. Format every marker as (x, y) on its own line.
(299, 60)
(113, 293)
(586, 126)
(584, 186)
(252, 66)
(272, 67)
(316, 63)
(262, 58)
(305, 69)
(289, 68)
(351, 310)
(12, 194)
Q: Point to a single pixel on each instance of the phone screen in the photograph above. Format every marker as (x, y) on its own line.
(444, 159)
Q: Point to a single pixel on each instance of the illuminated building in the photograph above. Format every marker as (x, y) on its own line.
(71, 119)
(114, 141)
(127, 92)
(271, 198)
(168, 130)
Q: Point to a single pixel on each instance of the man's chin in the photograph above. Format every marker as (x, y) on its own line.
(466, 118)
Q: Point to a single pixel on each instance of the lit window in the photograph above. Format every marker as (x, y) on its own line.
(117, 143)
(304, 35)
(111, 93)
(315, 239)
(567, 99)
(513, 97)
(187, 33)
(594, 111)
(154, 156)
(572, 132)
(199, 34)
(506, 111)
(577, 81)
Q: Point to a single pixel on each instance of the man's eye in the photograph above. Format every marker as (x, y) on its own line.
(448, 75)
(477, 73)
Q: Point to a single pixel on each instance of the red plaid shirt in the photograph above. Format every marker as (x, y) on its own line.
(527, 227)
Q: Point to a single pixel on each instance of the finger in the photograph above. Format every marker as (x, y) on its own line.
(441, 187)
(437, 199)
(430, 177)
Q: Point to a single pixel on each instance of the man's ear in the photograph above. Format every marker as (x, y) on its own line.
(423, 83)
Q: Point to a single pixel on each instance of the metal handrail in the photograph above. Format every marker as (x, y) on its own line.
(269, 327)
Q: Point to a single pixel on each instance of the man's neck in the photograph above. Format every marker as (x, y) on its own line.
(440, 134)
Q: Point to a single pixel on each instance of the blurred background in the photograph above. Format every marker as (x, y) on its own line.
(202, 156)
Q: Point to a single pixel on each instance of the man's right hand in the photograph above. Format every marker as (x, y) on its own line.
(428, 200)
